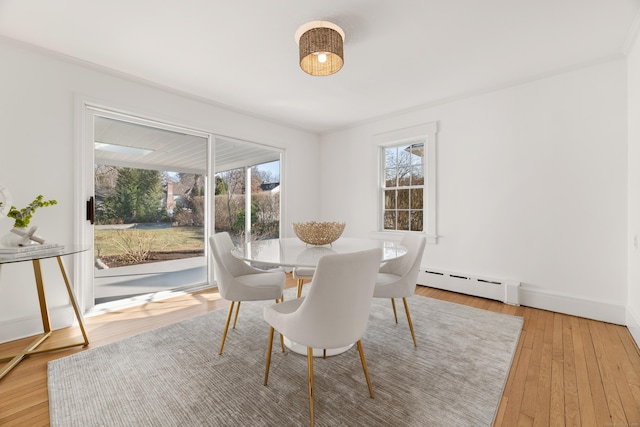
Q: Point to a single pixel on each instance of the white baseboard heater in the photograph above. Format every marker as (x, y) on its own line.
(506, 291)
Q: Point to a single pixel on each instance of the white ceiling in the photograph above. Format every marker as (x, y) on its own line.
(399, 55)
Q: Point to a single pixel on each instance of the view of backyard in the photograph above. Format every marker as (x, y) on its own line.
(145, 216)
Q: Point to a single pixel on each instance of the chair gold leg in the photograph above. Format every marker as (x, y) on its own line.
(235, 319)
(226, 326)
(364, 367)
(300, 282)
(406, 309)
(281, 337)
(310, 375)
(395, 314)
(266, 372)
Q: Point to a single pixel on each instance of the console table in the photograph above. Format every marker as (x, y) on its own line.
(44, 312)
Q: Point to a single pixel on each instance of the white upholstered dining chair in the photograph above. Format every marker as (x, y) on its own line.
(397, 278)
(333, 314)
(238, 281)
(300, 274)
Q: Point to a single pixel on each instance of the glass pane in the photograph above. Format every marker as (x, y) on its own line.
(265, 201)
(417, 177)
(417, 152)
(149, 212)
(416, 221)
(390, 177)
(403, 199)
(403, 220)
(404, 167)
(390, 199)
(390, 157)
(389, 220)
(230, 202)
(416, 198)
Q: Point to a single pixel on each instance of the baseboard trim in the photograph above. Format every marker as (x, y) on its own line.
(574, 306)
(633, 324)
(23, 327)
(520, 294)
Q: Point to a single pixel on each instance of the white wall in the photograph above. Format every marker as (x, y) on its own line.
(633, 307)
(37, 132)
(532, 186)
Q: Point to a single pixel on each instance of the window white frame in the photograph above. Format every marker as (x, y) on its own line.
(427, 132)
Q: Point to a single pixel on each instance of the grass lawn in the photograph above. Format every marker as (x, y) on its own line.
(171, 239)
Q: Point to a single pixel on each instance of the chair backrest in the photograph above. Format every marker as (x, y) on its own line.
(226, 265)
(408, 266)
(336, 310)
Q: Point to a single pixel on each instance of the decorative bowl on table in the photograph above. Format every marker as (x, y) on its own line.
(318, 233)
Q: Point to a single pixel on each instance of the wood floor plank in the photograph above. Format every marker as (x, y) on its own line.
(571, 402)
(516, 392)
(632, 350)
(502, 407)
(630, 361)
(585, 400)
(556, 411)
(528, 406)
(543, 397)
(596, 386)
(620, 371)
(606, 372)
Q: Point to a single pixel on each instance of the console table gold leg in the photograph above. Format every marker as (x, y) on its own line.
(44, 312)
(18, 357)
(73, 302)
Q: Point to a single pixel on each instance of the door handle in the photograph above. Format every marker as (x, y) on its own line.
(91, 217)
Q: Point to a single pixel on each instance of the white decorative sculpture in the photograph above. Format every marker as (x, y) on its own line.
(28, 236)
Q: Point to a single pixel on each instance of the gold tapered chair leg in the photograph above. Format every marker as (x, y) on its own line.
(395, 314)
(235, 319)
(406, 309)
(266, 372)
(226, 326)
(364, 367)
(310, 375)
(300, 282)
(281, 337)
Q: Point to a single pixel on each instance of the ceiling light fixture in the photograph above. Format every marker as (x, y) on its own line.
(321, 48)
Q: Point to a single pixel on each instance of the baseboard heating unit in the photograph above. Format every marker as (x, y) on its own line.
(506, 291)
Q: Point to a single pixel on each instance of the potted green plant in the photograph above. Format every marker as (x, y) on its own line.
(23, 216)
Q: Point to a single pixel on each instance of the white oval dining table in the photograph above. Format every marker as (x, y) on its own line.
(293, 252)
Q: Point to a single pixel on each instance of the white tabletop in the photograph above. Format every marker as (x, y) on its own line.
(292, 252)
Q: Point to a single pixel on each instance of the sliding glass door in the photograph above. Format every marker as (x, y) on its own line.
(150, 187)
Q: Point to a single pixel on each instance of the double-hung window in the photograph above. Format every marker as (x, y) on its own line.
(407, 180)
(403, 188)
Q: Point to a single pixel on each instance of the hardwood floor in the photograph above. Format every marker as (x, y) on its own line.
(566, 370)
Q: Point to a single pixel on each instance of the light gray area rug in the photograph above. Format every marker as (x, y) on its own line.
(173, 376)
